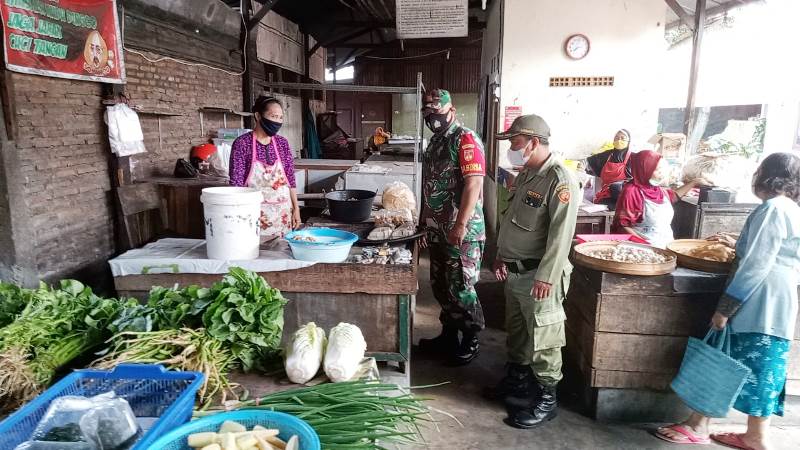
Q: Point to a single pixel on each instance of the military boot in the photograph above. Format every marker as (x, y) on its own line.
(467, 350)
(444, 344)
(543, 411)
(517, 383)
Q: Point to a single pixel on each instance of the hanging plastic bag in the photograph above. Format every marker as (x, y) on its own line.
(124, 130)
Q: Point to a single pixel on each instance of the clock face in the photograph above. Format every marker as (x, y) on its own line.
(577, 46)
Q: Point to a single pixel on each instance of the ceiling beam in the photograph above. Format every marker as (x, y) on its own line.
(684, 16)
(716, 11)
(336, 41)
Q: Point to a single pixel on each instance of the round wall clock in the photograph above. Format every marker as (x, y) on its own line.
(577, 46)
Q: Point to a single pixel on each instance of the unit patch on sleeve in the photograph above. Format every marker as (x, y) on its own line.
(563, 194)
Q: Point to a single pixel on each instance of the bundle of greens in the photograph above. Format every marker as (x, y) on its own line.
(55, 327)
(166, 309)
(361, 415)
(181, 349)
(247, 315)
(12, 300)
(236, 324)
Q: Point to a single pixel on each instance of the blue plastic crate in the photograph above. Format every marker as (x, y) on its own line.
(288, 425)
(151, 391)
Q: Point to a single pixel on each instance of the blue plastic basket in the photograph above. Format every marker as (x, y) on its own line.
(288, 425)
(151, 391)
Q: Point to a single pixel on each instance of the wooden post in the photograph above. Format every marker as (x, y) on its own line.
(697, 41)
(305, 95)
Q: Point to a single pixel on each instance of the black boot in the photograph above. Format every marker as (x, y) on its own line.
(517, 383)
(444, 344)
(467, 351)
(543, 411)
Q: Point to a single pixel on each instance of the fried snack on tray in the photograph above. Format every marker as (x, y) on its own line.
(713, 251)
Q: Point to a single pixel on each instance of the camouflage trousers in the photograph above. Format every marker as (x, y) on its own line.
(454, 273)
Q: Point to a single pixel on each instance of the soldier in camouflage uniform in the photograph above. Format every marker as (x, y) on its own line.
(453, 170)
(533, 249)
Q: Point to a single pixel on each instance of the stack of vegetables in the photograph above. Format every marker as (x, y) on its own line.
(236, 324)
(359, 415)
(44, 329)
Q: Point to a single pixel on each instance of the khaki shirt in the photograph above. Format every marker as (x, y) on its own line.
(540, 220)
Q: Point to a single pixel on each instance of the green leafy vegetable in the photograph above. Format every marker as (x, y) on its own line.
(247, 314)
(12, 301)
(55, 327)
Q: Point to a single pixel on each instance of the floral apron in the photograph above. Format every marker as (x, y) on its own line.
(276, 209)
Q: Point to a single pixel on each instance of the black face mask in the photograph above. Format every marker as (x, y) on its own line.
(270, 126)
(437, 122)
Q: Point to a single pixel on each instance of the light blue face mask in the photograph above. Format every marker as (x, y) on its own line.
(517, 157)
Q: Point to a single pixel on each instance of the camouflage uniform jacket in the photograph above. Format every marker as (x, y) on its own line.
(450, 157)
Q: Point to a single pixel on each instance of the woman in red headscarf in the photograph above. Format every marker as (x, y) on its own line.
(644, 208)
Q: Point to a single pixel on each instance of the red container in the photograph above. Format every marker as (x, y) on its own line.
(582, 238)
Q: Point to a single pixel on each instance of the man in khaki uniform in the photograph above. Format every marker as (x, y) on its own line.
(534, 243)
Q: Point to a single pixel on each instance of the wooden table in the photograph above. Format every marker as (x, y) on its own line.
(377, 298)
(626, 336)
(181, 197)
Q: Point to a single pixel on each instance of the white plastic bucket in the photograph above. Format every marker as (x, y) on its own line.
(231, 217)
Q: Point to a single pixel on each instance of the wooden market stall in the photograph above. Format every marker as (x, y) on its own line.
(379, 299)
(626, 336)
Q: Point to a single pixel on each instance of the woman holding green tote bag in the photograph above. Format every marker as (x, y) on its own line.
(759, 307)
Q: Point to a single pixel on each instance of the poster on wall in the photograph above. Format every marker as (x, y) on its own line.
(511, 113)
(424, 19)
(76, 39)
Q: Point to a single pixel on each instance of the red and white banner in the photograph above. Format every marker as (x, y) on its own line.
(77, 39)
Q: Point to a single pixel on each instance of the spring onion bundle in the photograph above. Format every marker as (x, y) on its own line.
(362, 415)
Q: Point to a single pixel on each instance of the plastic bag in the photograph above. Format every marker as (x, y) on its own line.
(102, 422)
(219, 160)
(726, 171)
(397, 195)
(124, 130)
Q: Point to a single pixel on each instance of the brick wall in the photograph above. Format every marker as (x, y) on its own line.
(63, 156)
(181, 89)
(63, 167)
(6, 243)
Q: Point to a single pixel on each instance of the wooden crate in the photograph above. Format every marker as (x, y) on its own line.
(619, 337)
(693, 221)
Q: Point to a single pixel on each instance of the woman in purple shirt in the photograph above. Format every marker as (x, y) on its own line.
(263, 160)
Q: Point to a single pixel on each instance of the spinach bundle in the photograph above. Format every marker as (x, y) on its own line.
(166, 309)
(247, 315)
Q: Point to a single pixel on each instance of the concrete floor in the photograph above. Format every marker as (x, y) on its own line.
(482, 421)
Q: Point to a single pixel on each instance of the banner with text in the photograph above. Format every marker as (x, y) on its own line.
(422, 19)
(77, 39)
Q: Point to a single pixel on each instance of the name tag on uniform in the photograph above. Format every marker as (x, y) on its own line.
(534, 199)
